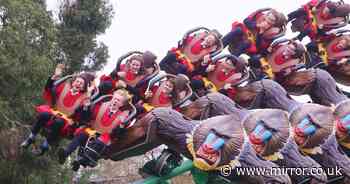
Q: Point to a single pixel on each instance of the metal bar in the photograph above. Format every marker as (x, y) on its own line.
(186, 166)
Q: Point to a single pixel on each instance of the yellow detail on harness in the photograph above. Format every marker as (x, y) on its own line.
(311, 151)
(251, 37)
(312, 16)
(148, 107)
(266, 67)
(345, 144)
(91, 132)
(63, 116)
(209, 85)
(188, 61)
(274, 156)
(323, 53)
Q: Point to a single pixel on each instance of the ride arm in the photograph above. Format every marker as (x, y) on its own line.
(297, 13)
(169, 61)
(250, 23)
(231, 36)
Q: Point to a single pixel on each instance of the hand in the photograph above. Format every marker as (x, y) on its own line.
(210, 68)
(87, 102)
(91, 89)
(343, 61)
(148, 94)
(206, 60)
(228, 86)
(120, 84)
(58, 71)
(182, 94)
(121, 74)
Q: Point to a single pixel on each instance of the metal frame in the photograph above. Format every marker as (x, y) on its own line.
(198, 29)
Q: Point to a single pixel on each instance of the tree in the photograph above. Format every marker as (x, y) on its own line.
(31, 43)
(27, 36)
(81, 21)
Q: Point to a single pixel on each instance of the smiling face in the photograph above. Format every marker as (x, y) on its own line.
(209, 41)
(265, 22)
(135, 66)
(78, 84)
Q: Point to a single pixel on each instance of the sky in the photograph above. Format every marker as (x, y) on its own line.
(157, 25)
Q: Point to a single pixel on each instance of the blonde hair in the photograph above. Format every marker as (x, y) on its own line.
(124, 94)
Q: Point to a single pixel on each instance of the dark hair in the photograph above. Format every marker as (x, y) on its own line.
(87, 77)
(148, 59)
(281, 19)
(138, 58)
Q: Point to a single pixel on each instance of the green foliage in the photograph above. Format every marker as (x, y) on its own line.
(80, 23)
(26, 48)
(31, 43)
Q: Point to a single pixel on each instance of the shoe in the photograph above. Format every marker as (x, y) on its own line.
(75, 165)
(61, 156)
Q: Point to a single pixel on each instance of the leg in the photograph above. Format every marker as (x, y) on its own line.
(54, 130)
(324, 89)
(78, 140)
(53, 135)
(42, 119)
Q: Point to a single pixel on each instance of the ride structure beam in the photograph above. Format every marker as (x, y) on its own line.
(184, 167)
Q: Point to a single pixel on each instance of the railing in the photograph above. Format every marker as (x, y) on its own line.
(184, 167)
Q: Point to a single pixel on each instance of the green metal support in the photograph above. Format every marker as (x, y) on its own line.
(186, 166)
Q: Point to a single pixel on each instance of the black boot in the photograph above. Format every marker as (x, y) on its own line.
(75, 165)
(62, 156)
(93, 152)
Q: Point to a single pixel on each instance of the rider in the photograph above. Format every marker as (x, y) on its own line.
(105, 124)
(286, 58)
(225, 73)
(192, 56)
(256, 32)
(130, 75)
(64, 96)
(332, 52)
(317, 17)
(166, 94)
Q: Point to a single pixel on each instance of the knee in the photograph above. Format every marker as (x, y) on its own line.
(58, 124)
(82, 136)
(44, 116)
(322, 75)
(273, 86)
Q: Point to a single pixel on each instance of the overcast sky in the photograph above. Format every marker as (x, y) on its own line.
(157, 25)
